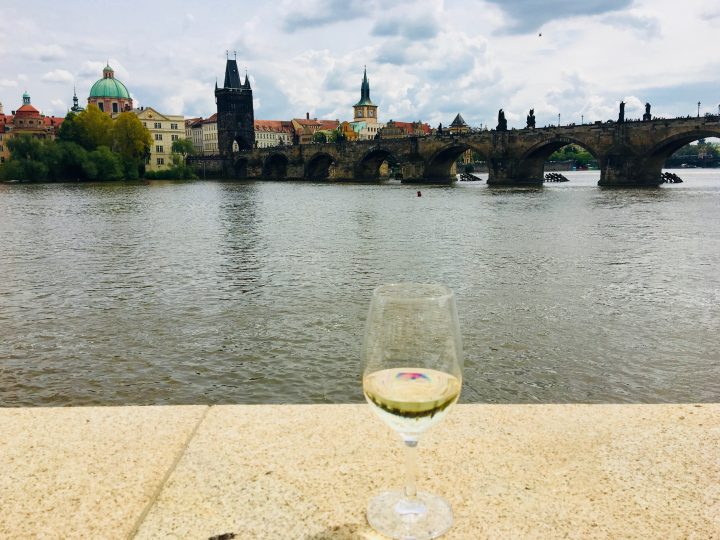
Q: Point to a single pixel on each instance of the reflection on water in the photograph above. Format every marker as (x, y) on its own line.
(222, 292)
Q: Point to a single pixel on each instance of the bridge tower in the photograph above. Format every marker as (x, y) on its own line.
(235, 114)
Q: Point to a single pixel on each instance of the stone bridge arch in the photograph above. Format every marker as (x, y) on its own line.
(275, 166)
(320, 166)
(531, 164)
(368, 167)
(644, 167)
(439, 165)
(668, 146)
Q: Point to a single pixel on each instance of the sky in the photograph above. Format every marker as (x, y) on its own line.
(426, 59)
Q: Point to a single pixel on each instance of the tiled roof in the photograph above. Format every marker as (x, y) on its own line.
(410, 127)
(53, 121)
(273, 125)
(27, 110)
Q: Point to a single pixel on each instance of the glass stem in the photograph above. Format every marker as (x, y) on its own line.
(410, 467)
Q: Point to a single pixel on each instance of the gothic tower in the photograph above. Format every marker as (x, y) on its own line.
(235, 115)
(365, 110)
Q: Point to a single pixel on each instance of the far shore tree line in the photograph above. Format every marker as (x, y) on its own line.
(90, 146)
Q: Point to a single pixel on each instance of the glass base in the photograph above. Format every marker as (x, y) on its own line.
(394, 515)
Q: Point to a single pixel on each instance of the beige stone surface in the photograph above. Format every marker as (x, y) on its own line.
(509, 471)
(86, 472)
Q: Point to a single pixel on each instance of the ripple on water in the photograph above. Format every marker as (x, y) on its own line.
(257, 292)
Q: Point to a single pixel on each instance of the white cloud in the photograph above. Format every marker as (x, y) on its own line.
(58, 76)
(57, 108)
(426, 59)
(45, 53)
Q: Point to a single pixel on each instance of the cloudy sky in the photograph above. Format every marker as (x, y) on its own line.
(426, 59)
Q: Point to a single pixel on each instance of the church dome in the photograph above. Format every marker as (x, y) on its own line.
(109, 86)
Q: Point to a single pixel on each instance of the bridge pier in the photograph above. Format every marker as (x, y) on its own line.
(630, 171)
(507, 171)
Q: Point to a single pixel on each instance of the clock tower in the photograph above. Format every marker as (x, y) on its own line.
(365, 110)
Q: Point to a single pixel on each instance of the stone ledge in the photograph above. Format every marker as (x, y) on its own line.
(307, 471)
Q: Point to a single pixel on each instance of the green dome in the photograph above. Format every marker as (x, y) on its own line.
(109, 87)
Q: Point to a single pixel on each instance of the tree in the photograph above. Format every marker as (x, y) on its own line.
(183, 147)
(27, 159)
(90, 128)
(131, 140)
(319, 137)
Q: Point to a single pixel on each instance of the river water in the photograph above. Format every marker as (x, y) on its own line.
(257, 292)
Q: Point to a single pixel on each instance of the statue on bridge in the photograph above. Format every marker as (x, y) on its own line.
(531, 119)
(502, 123)
(647, 116)
(621, 117)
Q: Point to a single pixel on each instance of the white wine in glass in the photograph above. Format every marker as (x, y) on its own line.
(412, 376)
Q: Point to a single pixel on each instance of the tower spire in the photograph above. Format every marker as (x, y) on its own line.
(365, 86)
(232, 77)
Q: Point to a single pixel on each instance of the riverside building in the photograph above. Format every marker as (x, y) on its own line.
(164, 130)
(26, 120)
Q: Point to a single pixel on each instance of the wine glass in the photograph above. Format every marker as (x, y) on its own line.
(412, 374)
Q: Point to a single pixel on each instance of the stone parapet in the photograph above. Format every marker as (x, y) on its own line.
(308, 471)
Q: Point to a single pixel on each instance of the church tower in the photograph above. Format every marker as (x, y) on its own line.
(235, 114)
(365, 110)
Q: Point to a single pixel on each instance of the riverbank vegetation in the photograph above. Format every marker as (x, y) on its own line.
(90, 146)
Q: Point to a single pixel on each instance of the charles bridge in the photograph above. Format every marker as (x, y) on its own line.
(630, 153)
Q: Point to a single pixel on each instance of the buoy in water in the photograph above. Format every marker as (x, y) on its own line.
(419, 194)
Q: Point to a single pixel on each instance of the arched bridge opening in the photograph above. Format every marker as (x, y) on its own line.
(442, 166)
(377, 164)
(667, 152)
(320, 167)
(275, 167)
(556, 155)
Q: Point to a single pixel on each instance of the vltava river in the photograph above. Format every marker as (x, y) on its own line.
(219, 292)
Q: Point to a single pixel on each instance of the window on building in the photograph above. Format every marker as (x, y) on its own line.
(175, 137)
(159, 150)
(2, 159)
(158, 136)
(158, 125)
(173, 126)
(101, 106)
(161, 161)
(115, 107)
(144, 124)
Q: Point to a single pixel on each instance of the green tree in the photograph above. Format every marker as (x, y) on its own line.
(106, 164)
(27, 159)
(319, 137)
(131, 141)
(183, 148)
(90, 128)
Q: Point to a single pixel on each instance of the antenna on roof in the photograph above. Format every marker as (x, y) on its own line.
(227, 54)
(235, 53)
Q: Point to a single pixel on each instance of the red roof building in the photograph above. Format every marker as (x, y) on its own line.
(26, 120)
